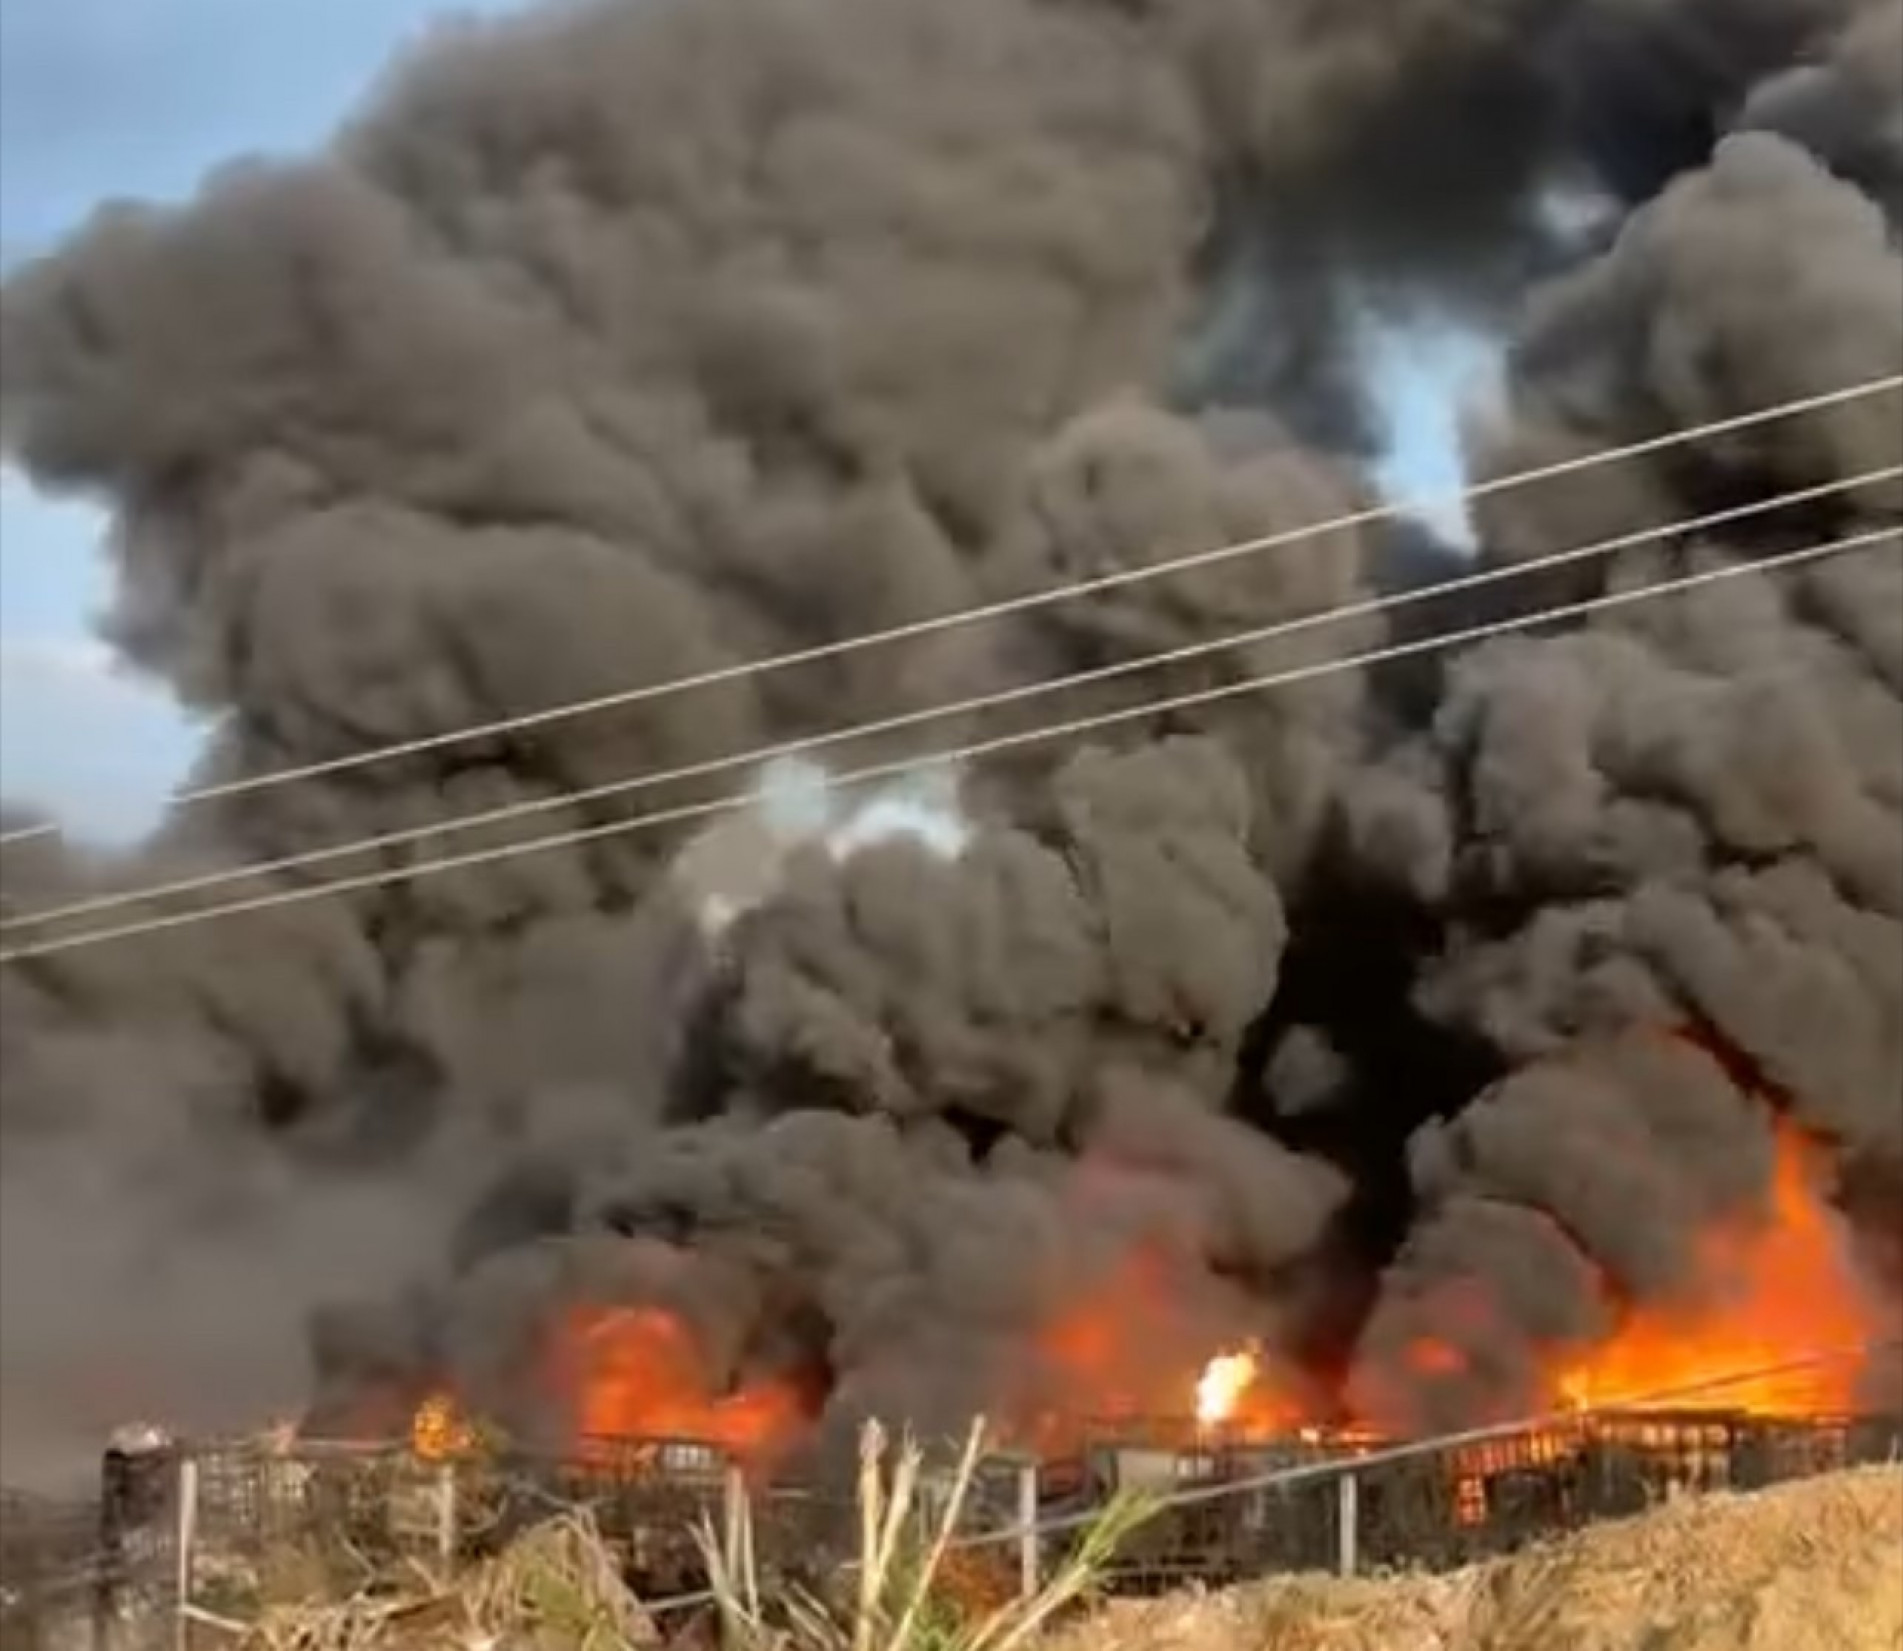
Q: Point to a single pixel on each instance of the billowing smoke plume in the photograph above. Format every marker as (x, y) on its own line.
(623, 341)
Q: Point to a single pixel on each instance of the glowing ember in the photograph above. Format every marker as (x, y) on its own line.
(1222, 1384)
(1769, 1292)
(439, 1429)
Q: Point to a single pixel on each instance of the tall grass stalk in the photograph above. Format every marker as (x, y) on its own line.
(895, 1603)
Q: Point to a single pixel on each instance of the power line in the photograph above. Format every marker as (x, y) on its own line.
(982, 748)
(1386, 511)
(807, 745)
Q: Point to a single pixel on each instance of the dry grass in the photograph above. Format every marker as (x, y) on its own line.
(554, 1589)
(557, 1589)
(1814, 1566)
(904, 1592)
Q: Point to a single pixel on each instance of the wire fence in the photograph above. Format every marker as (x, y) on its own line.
(99, 1571)
(1452, 1505)
(49, 1567)
(185, 1543)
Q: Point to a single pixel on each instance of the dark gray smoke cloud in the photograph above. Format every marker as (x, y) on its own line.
(1680, 816)
(1756, 281)
(1843, 108)
(622, 341)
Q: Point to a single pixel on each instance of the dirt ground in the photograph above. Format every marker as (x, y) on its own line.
(1814, 1566)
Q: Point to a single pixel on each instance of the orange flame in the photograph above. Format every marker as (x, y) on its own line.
(638, 1373)
(1221, 1387)
(1769, 1292)
(1127, 1350)
(440, 1431)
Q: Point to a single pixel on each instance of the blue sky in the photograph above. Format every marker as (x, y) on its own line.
(139, 98)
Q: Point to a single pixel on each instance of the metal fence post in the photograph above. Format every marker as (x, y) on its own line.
(109, 1582)
(186, 1537)
(1347, 1532)
(1029, 1580)
(733, 1508)
(446, 1516)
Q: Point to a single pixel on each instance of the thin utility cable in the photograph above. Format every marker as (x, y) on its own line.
(809, 744)
(1386, 511)
(1004, 742)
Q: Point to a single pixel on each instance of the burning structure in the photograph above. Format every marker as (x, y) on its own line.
(1425, 1045)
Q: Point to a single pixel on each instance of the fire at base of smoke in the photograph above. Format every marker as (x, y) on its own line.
(1317, 1031)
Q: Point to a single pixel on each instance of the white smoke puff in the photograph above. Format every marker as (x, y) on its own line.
(1577, 211)
(736, 864)
(925, 807)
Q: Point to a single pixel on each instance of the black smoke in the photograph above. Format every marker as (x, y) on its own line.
(619, 341)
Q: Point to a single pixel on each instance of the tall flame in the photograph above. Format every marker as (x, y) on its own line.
(1770, 1293)
(1220, 1388)
(1765, 1291)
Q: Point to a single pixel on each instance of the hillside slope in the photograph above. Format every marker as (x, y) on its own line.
(1812, 1566)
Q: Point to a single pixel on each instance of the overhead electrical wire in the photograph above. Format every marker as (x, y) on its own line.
(390, 876)
(756, 756)
(1386, 511)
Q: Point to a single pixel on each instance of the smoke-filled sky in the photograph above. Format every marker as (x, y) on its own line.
(102, 100)
(1453, 1005)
